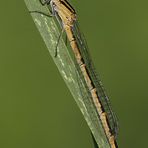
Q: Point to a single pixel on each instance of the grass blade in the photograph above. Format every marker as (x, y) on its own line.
(65, 63)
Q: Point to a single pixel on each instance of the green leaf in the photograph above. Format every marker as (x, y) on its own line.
(65, 63)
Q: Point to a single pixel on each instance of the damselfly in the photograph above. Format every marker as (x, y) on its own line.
(66, 16)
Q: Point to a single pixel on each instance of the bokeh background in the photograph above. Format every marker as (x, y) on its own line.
(36, 108)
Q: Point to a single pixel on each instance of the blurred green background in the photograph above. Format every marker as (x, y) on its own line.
(36, 108)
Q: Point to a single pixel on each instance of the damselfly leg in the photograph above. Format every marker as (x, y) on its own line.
(52, 13)
(35, 11)
(56, 49)
(45, 2)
